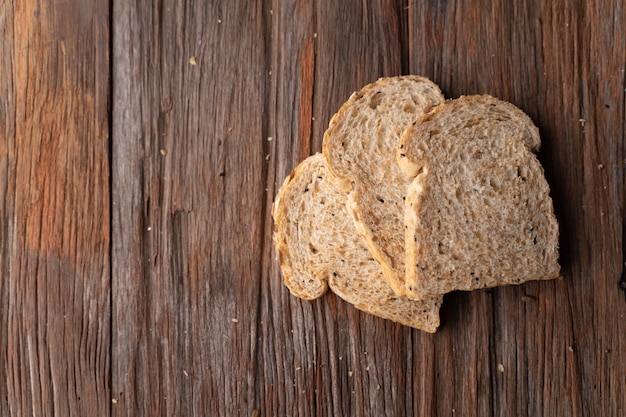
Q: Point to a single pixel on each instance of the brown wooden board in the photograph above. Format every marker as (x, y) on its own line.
(54, 209)
(138, 275)
(189, 206)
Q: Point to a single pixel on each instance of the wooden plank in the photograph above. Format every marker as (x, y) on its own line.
(54, 208)
(325, 357)
(188, 206)
(563, 63)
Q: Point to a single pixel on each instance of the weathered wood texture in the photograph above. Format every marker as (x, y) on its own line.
(189, 206)
(138, 276)
(54, 209)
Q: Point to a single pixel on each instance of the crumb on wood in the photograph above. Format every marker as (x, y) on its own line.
(114, 400)
(192, 60)
(500, 368)
(234, 320)
(163, 151)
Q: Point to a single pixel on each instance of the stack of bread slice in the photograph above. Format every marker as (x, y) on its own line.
(413, 197)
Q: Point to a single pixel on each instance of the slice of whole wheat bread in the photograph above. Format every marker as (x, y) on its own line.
(317, 246)
(478, 211)
(360, 151)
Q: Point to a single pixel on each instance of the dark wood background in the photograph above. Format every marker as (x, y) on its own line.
(141, 146)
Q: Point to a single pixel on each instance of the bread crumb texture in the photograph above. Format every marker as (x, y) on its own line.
(318, 247)
(478, 209)
(359, 148)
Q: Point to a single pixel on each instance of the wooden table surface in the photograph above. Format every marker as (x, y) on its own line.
(142, 144)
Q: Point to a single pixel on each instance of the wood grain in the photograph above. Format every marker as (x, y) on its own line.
(188, 206)
(54, 209)
(138, 275)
